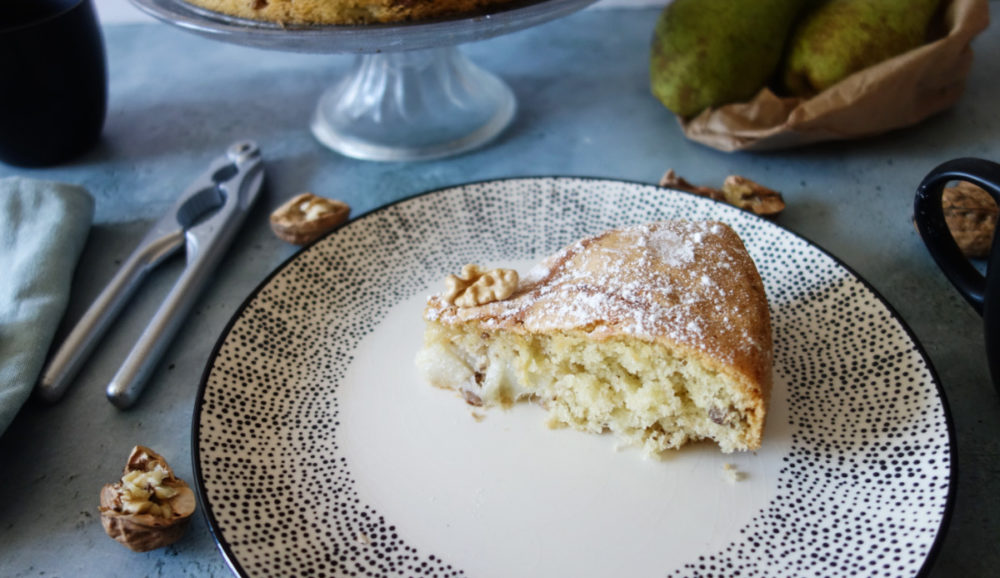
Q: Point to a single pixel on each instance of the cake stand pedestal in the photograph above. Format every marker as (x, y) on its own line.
(410, 95)
(412, 105)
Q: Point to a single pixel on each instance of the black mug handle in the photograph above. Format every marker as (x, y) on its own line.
(982, 292)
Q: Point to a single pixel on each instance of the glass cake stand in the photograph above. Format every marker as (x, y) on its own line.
(411, 94)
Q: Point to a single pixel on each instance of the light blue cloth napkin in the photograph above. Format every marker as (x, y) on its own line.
(43, 227)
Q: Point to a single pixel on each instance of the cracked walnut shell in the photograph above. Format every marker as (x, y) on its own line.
(672, 180)
(306, 217)
(149, 507)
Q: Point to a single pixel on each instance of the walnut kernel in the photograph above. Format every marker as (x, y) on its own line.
(478, 287)
(306, 217)
(753, 197)
(971, 216)
(736, 190)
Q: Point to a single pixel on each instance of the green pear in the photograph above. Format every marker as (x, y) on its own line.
(841, 37)
(711, 52)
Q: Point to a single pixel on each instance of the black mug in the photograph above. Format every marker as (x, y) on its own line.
(982, 292)
(53, 80)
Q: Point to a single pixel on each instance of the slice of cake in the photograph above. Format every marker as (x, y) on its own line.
(658, 333)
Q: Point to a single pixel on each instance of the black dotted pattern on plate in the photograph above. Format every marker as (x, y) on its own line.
(863, 490)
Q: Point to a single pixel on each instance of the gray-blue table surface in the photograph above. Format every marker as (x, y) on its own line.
(177, 101)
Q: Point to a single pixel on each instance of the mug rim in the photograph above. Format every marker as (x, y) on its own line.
(42, 20)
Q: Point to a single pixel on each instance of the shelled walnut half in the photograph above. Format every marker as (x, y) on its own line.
(971, 216)
(736, 190)
(476, 286)
(754, 197)
(149, 507)
(306, 217)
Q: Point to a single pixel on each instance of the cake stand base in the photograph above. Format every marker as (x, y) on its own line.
(412, 105)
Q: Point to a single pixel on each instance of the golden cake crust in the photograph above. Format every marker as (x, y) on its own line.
(344, 12)
(688, 285)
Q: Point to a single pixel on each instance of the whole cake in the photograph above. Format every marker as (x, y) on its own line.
(344, 12)
(659, 333)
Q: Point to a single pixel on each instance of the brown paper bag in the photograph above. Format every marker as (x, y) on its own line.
(895, 93)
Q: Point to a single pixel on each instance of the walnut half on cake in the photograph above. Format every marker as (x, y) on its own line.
(659, 333)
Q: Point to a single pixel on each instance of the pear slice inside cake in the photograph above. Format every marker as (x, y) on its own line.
(658, 333)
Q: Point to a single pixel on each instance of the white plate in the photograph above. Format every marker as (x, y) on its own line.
(320, 451)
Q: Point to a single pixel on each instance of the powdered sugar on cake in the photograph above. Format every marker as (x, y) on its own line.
(679, 281)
